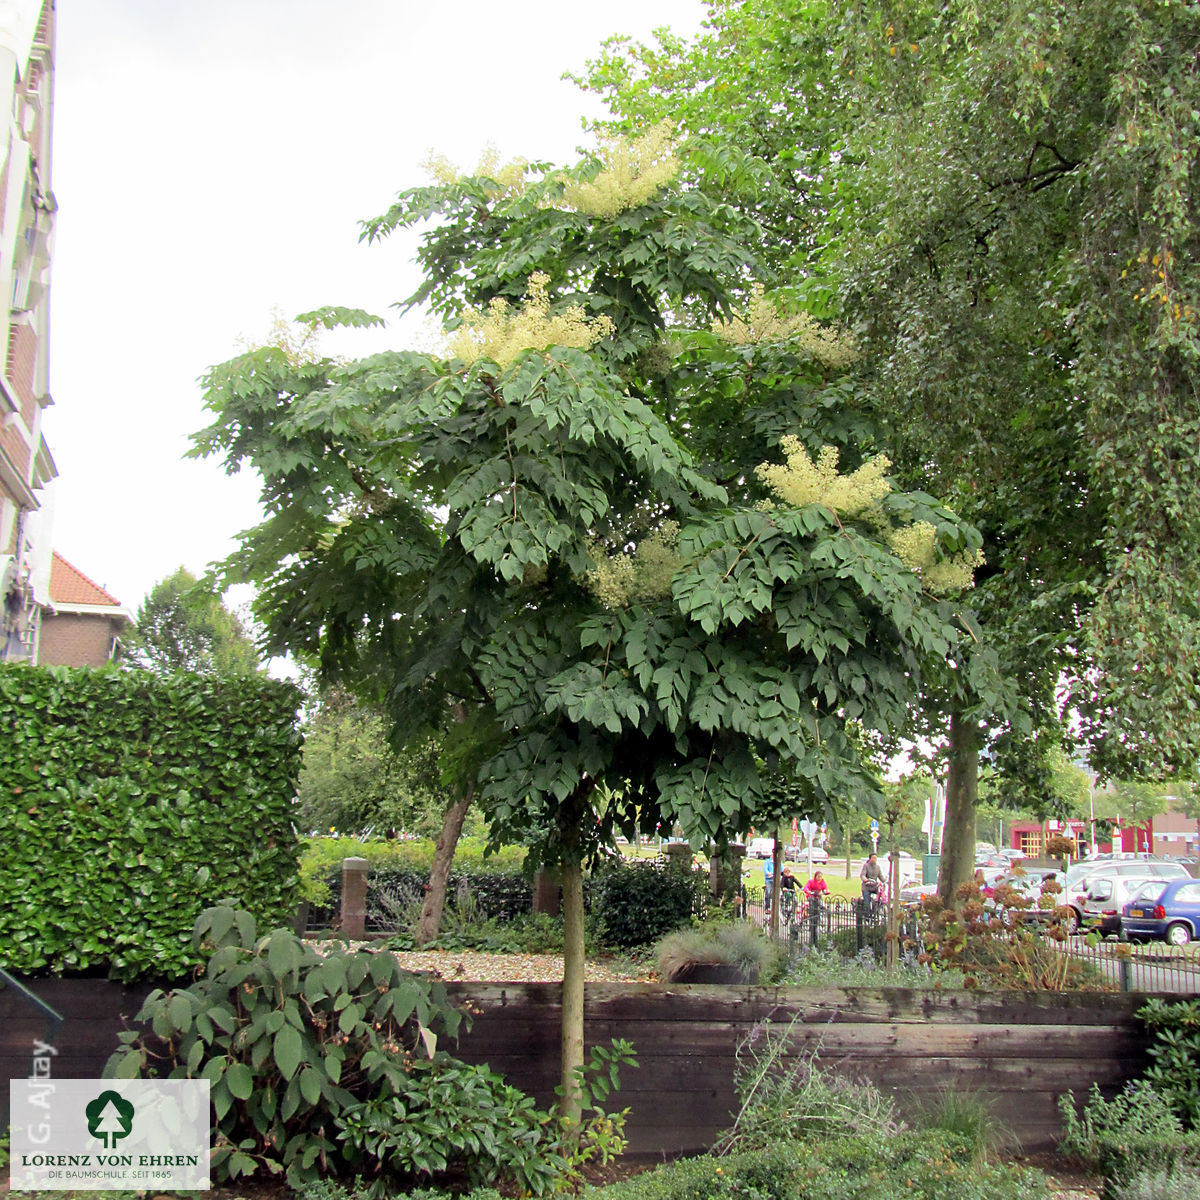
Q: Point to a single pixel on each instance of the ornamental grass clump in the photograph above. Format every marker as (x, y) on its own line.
(737, 945)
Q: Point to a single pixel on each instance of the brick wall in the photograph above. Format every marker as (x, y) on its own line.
(22, 360)
(74, 640)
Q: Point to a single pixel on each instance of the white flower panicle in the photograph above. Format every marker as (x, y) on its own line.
(501, 334)
(622, 579)
(765, 322)
(634, 170)
(509, 177)
(802, 481)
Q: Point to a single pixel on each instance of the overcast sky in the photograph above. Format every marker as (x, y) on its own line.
(212, 161)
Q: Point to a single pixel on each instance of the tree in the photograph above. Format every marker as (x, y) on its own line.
(352, 778)
(1014, 234)
(520, 530)
(183, 626)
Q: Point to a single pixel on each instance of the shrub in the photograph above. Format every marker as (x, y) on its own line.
(1124, 1159)
(1178, 1183)
(129, 801)
(1175, 1052)
(403, 861)
(634, 904)
(330, 1065)
(785, 1098)
(1138, 1111)
(917, 1165)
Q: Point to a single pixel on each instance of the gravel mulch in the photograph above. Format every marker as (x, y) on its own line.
(475, 966)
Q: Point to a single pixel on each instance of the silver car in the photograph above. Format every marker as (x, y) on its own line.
(1108, 893)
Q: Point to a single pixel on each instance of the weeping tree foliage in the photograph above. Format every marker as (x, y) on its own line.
(1001, 196)
(581, 528)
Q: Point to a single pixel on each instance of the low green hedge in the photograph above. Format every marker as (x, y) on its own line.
(1121, 1158)
(128, 802)
(321, 862)
(916, 1165)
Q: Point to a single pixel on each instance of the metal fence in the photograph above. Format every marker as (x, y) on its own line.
(852, 926)
(847, 926)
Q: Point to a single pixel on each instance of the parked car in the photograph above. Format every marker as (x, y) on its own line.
(1109, 892)
(800, 855)
(760, 847)
(1170, 911)
(1081, 875)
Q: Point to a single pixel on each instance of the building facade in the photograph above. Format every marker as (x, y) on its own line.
(27, 211)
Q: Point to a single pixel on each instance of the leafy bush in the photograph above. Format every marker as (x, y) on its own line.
(129, 801)
(530, 933)
(1175, 1052)
(330, 1065)
(874, 938)
(1137, 1112)
(634, 904)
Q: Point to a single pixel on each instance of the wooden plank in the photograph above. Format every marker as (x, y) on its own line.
(745, 1005)
(1046, 1041)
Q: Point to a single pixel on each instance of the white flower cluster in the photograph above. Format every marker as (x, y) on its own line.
(509, 178)
(765, 322)
(633, 171)
(646, 574)
(501, 334)
(802, 481)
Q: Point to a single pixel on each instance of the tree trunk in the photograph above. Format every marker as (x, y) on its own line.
(776, 876)
(572, 988)
(443, 856)
(962, 781)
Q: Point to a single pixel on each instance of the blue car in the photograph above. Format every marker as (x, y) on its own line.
(1164, 910)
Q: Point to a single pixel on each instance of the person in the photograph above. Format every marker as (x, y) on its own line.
(768, 882)
(787, 891)
(816, 886)
(872, 878)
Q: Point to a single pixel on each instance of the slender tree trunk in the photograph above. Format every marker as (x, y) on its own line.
(776, 889)
(962, 784)
(572, 987)
(443, 856)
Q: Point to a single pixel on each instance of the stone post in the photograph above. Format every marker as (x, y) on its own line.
(354, 898)
(546, 892)
(679, 856)
(725, 871)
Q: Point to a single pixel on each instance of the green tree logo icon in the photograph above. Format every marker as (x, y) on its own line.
(109, 1118)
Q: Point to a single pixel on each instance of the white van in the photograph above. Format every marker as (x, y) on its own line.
(1081, 875)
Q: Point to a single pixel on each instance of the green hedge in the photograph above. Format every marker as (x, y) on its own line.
(131, 801)
(916, 1165)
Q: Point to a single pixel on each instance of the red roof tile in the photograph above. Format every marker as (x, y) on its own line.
(69, 585)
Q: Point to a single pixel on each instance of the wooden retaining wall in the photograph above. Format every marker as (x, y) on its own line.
(1021, 1050)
